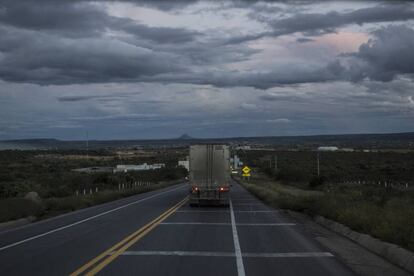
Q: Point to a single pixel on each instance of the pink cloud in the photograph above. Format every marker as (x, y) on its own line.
(343, 41)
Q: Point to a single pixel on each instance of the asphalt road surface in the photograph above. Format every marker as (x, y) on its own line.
(157, 233)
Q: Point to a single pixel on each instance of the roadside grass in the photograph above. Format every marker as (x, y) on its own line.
(15, 208)
(384, 214)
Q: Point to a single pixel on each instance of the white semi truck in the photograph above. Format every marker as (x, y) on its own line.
(209, 175)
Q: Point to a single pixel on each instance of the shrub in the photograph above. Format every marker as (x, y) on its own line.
(15, 208)
(386, 215)
(317, 181)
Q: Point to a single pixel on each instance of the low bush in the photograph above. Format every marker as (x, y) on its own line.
(388, 216)
(15, 208)
(317, 181)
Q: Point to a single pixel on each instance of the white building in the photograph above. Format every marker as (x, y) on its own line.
(246, 147)
(142, 167)
(235, 162)
(327, 148)
(185, 164)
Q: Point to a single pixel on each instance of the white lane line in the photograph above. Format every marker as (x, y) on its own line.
(85, 220)
(194, 223)
(237, 250)
(249, 204)
(200, 211)
(178, 253)
(227, 254)
(288, 255)
(266, 224)
(258, 211)
(223, 223)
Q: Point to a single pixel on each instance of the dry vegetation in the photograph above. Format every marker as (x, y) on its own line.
(50, 175)
(385, 213)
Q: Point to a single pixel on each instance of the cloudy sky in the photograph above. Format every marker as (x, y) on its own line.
(158, 69)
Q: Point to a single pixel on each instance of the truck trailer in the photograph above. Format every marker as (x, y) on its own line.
(209, 175)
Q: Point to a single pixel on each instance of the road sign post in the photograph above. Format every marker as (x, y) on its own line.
(246, 172)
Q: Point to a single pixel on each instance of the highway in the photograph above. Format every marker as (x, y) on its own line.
(157, 233)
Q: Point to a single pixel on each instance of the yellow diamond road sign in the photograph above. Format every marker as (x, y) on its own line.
(246, 171)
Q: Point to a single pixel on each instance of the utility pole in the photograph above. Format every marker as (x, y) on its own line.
(87, 145)
(275, 162)
(317, 159)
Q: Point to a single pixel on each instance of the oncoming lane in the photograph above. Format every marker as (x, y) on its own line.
(60, 245)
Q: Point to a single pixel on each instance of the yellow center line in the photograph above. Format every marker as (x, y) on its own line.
(124, 244)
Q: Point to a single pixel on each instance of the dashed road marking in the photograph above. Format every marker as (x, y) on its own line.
(258, 211)
(288, 255)
(194, 223)
(179, 253)
(224, 223)
(266, 224)
(248, 204)
(237, 250)
(201, 211)
(105, 258)
(227, 254)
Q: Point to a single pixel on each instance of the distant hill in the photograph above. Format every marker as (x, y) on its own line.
(357, 141)
(185, 137)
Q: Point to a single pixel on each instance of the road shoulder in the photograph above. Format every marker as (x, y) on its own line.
(359, 259)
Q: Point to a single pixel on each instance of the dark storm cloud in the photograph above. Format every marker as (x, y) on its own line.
(388, 54)
(78, 98)
(74, 18)
(55, 42)
(74, 98)
(159, 34)
(322, 23)
(288, 75)
(278, 97)
(304, 40)
(313, 24)
(246, 38)
(43, 59)
(51, 42)
(83, 19)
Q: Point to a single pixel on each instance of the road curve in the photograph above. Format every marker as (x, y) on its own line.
(157, 233)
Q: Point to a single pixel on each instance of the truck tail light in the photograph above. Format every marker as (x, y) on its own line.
(224, 189)
(194, 189)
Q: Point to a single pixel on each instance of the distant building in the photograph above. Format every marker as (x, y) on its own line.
(142, 167)
(185, 164)
(243, 148)
(327, 148)
(347, 149)
(93, 170)
(235, 162)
